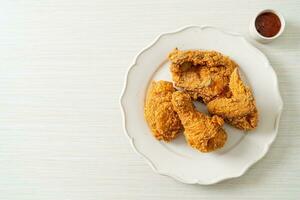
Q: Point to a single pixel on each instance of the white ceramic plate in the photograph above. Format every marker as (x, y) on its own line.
(176, 159)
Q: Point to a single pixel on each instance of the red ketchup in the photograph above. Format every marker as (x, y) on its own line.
(268, 24)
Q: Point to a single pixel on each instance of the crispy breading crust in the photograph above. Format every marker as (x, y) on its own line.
(238, 110)
(159, 112)
(203, 74)
(201, 131)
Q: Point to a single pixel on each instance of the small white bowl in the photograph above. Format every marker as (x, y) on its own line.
(260, 38)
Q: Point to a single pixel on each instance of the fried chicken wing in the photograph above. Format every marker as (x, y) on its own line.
(239, 109)
(203, 74)
(201, 131)
(159, 112)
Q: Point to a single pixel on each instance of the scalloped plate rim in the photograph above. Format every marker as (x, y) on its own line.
(148, 160)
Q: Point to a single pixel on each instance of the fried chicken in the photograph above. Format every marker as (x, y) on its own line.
(203, 74)
(239, 109)
(201, 131)
(159, 112)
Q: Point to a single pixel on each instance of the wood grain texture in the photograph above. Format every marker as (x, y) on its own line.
(62, 66)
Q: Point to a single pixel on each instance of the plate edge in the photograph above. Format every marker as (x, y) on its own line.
(152, 165)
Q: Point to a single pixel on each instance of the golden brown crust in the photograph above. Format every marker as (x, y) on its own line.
(159, 112)
(201, 131)
(238, 110)
(203, 74)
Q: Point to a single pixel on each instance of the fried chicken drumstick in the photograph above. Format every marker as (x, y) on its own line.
(201, 131)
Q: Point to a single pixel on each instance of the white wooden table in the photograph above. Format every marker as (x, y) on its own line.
(62, 65)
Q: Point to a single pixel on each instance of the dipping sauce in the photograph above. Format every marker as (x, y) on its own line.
(268, 24)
